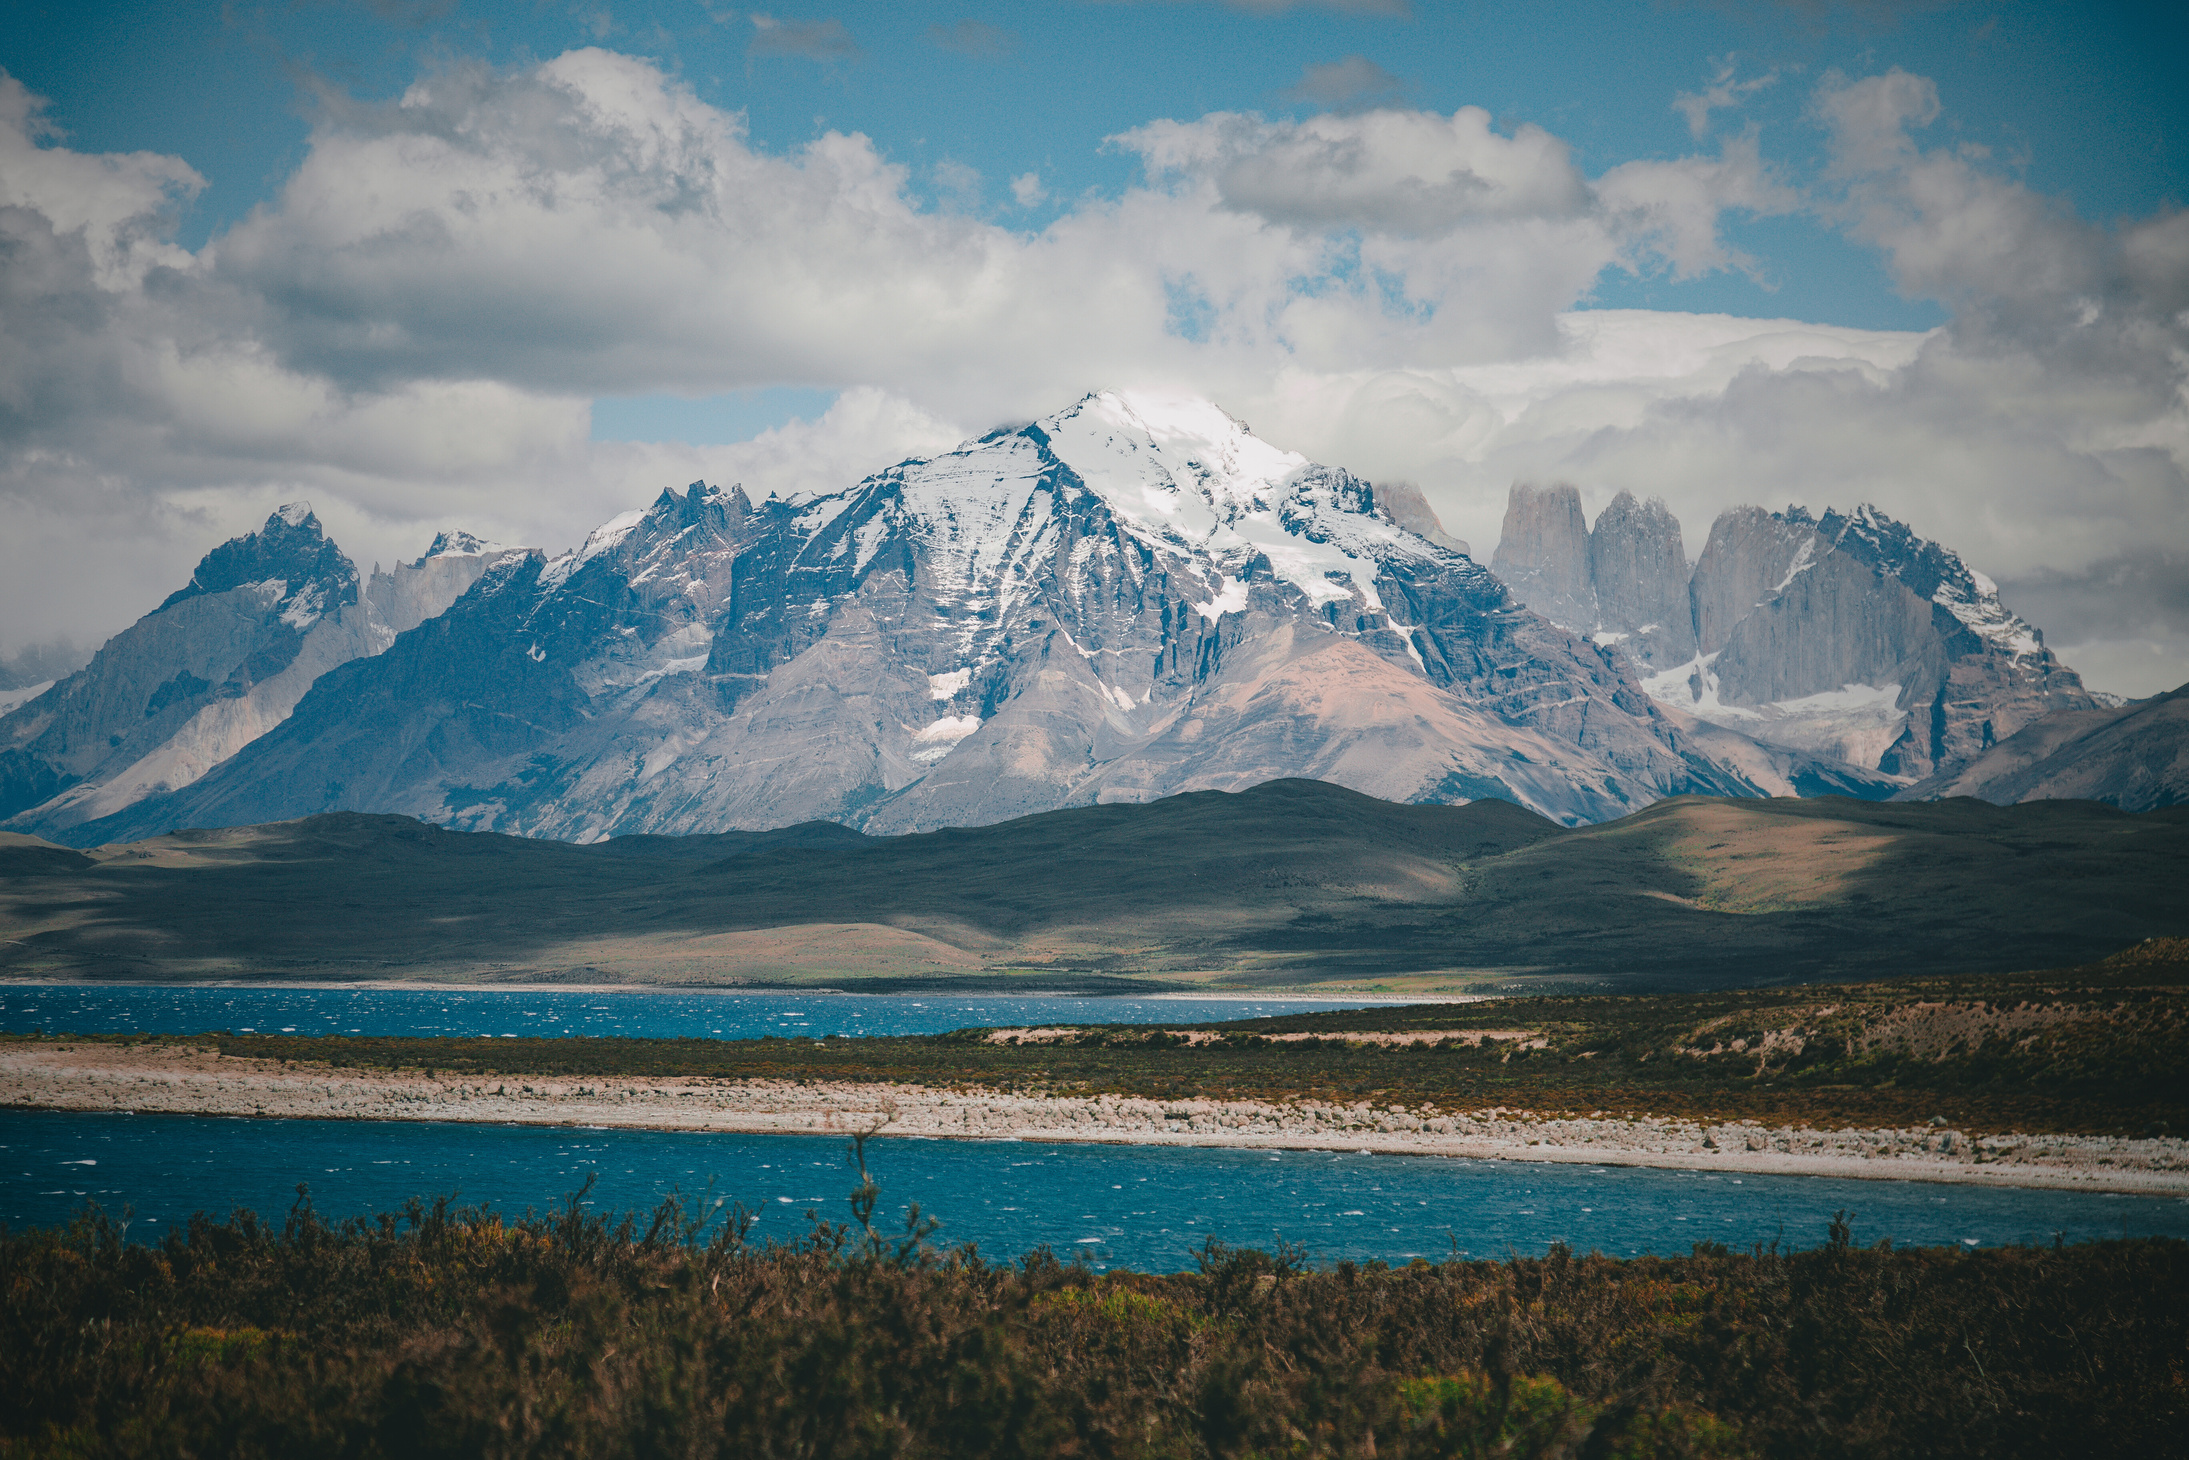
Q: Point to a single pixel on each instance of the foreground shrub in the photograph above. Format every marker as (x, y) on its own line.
(445, 1332)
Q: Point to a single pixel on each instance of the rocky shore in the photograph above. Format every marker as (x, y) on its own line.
(182, 1080)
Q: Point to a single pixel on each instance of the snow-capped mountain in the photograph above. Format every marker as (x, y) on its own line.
(222, 661)
(1847, 636)
(1133, 597)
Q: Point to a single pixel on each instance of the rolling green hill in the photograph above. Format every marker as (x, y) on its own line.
(1293, 883)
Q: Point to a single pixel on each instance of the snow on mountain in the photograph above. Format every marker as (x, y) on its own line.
(219, 663)
(1848, 637)
(1132, 597)
(1935, 572)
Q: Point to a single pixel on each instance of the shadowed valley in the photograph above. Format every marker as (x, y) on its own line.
(1294, 884)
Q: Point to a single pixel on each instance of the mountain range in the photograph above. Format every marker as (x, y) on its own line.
(1129, 599)
(1845, 635)
(221, 661)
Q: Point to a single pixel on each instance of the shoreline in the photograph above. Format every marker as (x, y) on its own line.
(180, 1080)
(1167, 995)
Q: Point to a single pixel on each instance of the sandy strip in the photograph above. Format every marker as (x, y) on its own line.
(1193, 1038)
(472, 983)
(177, 1080)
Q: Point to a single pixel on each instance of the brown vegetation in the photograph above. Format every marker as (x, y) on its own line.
(441, 1332)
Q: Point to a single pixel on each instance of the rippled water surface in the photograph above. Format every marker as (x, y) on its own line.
(1143, 1207)
(660, 1013)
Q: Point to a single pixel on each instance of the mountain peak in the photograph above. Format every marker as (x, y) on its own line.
(290, 551)
(1184, 436)
(457, 543)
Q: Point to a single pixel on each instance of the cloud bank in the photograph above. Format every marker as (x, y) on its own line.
(411, 332)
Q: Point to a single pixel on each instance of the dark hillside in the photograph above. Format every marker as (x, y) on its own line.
(1283, 841)
(1291, 883)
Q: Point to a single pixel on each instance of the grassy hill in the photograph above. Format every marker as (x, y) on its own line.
(1293, 883)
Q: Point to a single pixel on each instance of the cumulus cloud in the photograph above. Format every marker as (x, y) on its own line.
(1440, 238)
(115, 205)
(410, 332)
(1672, 208)
(1390, 171)
(957, 182)
(1027, 190)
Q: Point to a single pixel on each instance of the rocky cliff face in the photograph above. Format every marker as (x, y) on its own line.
(1621, 583)
(2134, 756)
(223, 660)
(1543, 555)
(1750, 555)
(1130, 598)
(1638, 568)
(1849, 637)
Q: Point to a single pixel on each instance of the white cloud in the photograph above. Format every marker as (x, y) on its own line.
(113, 203)
(1027, 191)
(410, 331)
(958, 182)
(1406, 173)
(1672, 208)
(1722, 93)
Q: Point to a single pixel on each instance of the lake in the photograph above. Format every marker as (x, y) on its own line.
(1143, 1207)
(656, 1013)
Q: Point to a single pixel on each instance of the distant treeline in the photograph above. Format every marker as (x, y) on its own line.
(442, 1332)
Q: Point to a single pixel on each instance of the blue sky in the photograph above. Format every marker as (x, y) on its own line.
(515, 264)
(2084, 102)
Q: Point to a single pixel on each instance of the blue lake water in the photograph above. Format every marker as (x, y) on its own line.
(654, 1013)
(1143, 1207)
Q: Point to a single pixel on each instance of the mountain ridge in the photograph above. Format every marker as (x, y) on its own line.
(2134, 756)
(1129, 598)
(1846, 636)
(216, 665)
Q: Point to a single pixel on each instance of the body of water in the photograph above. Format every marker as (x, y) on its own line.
(1143, 1207)
(633, 1013)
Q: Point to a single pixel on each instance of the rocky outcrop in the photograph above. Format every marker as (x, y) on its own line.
(1621, 583)
(1749, 556)
(1884, 648)
(1130, 598)
(1543, 554)
(1403, 505)
(1638, 568)
(1836, 622)
(219, 663)
(1847, 638)
(2134, 756)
